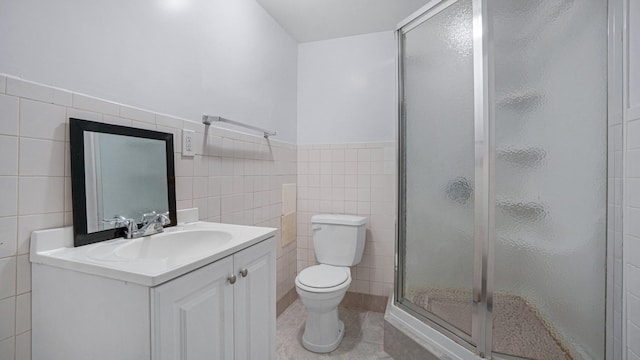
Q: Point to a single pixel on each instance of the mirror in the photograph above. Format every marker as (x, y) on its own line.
(118, 171)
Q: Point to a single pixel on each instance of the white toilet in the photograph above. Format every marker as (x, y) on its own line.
(338, 241)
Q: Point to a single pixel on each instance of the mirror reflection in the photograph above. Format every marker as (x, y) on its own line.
(124, 176)
(122, 181)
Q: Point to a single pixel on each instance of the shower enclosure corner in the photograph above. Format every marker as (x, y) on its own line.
(502, 224)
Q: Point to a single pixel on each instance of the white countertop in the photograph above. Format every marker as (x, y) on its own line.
(54, 247)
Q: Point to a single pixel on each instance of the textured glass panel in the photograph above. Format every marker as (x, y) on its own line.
(439, 165)
(551, 132)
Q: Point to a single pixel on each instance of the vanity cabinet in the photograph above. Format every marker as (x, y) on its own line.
(225, 310)
(202, 314)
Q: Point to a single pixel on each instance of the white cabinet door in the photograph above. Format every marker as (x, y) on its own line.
(192, 316)
(255, 302)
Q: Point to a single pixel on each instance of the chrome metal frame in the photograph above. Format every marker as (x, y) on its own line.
(400, 246)
(207, 119)
(485, 154)
(429, 10)
(426, 12)
(616, 107)
(453, 333)
(497, 356)
(484, 202)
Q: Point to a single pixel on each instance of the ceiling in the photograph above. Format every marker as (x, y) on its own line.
(312, 20)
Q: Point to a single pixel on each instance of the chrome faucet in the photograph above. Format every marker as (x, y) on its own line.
(151, 223)
(121, 221)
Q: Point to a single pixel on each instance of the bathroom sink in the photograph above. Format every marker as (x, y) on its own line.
(177, 244)
(149, 260)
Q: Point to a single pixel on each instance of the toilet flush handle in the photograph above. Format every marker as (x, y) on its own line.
(316, 227)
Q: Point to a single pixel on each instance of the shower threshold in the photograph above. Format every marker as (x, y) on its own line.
(518, 327)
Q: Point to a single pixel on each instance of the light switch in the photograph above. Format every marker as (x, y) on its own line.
(188, 145)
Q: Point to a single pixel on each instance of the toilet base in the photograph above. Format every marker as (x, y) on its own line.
(328, 347)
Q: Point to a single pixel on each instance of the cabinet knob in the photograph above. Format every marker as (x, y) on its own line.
(244, 272)
(232, 279)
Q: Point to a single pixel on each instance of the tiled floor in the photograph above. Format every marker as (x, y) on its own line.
(362, 340)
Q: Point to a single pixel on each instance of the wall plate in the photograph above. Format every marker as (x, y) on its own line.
(188, 144)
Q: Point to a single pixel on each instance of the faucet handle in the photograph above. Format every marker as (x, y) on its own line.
(161, 218)
(120, 220)
(164, 218)
(117, 220)
(146, 217)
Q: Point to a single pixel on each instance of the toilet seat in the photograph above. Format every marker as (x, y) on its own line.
(323, 278)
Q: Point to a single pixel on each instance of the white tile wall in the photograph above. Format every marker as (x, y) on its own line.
(137, 114)
(9, 195)
(8, 236)
(84, 102)
(35, 184)
(8, 155)
(39, 195)
(23, 313)
(23, 346)
(29, 223)
(42, 121)
(7, 348)
(23, 274)
(7, 277)
(41, 157)
(9, 106)
(7, 314)
(34, 91)
(351, 179)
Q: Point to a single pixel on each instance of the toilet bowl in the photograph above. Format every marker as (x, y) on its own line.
(321, 288)
(339, 243)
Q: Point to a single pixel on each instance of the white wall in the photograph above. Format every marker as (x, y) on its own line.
(178, 57)
(346, 90)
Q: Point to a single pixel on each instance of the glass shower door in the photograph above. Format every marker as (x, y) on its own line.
(437, 188)
(503, 175)
(550, 82)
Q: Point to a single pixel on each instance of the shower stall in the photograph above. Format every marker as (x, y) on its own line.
(503, 166)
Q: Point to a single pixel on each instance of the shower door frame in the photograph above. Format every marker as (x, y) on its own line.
(431, 9)
(480, 341)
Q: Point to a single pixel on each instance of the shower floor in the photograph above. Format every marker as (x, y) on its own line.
(518, 329)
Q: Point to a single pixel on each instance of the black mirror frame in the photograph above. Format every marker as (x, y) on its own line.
(77, 127)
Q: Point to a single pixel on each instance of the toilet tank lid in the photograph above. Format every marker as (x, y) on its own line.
(339, 219)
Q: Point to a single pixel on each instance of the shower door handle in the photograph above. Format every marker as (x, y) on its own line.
(459, 190)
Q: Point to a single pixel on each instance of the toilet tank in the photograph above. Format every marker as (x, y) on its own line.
(338, 239)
